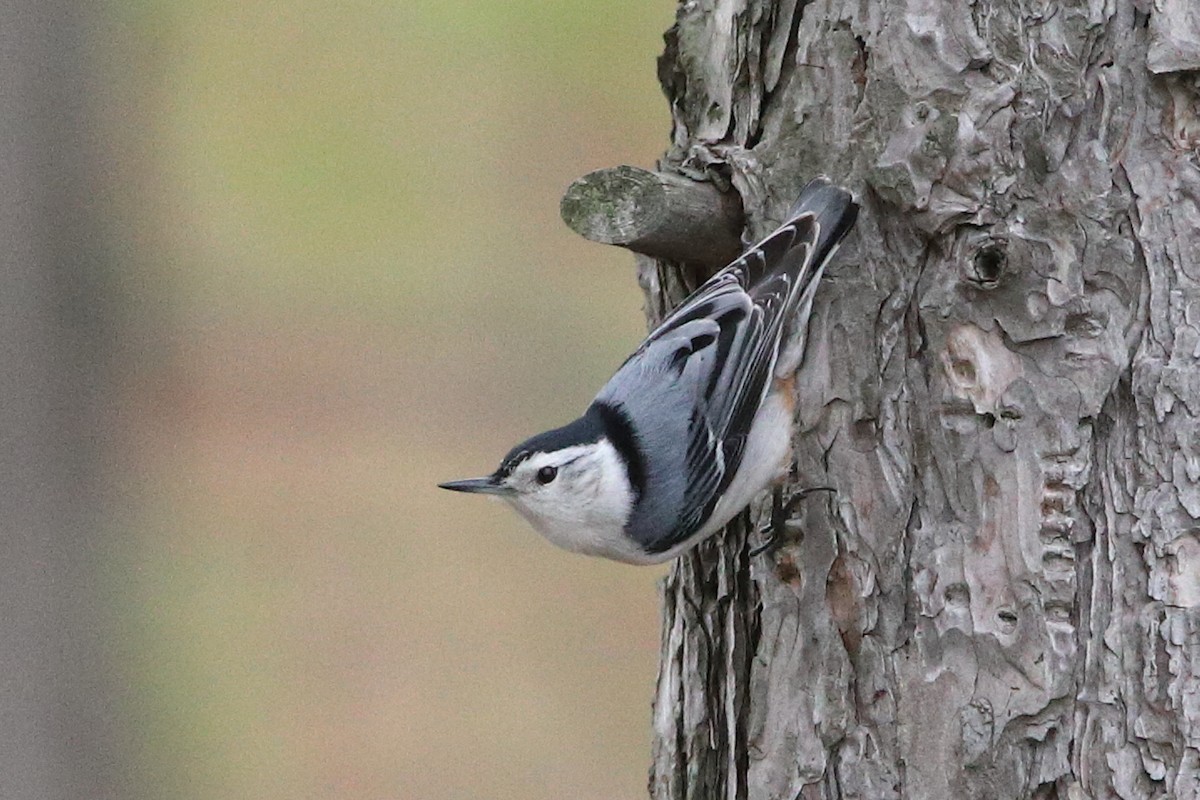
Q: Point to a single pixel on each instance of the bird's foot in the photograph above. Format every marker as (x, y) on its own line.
(781, 511)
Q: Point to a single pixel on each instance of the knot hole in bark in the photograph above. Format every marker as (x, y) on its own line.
(988, 265)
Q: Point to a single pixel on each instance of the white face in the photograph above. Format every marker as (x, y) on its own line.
(578, 498)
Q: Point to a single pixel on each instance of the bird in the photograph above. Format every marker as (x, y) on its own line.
(698, 420)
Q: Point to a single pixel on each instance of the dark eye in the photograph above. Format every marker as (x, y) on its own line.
(546, 474)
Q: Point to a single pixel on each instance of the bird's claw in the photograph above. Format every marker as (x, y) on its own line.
(781, 511)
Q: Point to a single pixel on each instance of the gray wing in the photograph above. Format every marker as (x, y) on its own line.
(696, 383)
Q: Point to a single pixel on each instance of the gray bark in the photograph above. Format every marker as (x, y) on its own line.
(1003, 598)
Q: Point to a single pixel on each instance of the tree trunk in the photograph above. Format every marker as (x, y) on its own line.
(1002, 599)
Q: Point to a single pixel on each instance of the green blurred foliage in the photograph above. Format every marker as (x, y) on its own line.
(344, 278)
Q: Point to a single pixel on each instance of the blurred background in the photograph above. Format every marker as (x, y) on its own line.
(334, 275)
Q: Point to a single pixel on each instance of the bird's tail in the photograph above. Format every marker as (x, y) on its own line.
(834, 210)
(798, 248)
(782, 271)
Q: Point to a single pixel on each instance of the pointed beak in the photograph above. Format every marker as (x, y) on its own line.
(488, 485)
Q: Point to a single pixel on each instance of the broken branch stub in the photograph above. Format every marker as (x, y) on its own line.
(656, 214)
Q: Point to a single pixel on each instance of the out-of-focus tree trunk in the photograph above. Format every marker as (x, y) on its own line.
(55, 741)
(1002, 383)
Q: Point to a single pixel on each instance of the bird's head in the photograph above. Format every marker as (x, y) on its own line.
(570, 483)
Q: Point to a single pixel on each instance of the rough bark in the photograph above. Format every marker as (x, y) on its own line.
(1003, 598)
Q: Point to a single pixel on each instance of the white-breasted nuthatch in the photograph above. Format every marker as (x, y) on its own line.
(698, 420)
